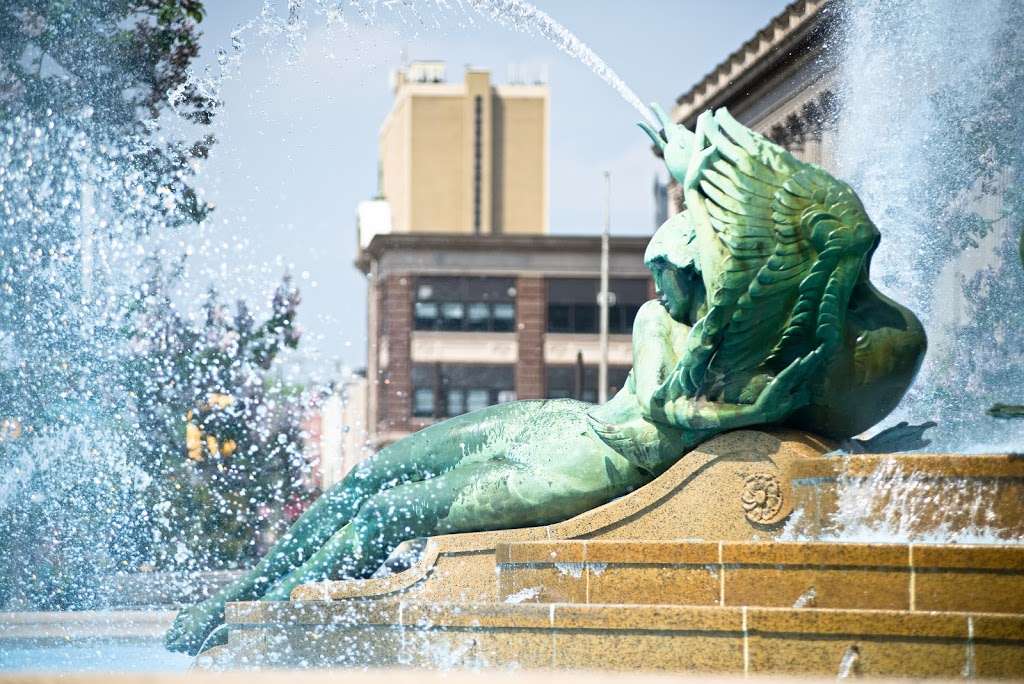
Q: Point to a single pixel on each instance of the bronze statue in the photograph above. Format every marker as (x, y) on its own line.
(765, 315)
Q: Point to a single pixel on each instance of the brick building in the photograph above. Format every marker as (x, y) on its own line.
(460, 322)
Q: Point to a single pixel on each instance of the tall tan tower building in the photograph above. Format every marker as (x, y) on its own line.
(470, 302)
(466, 158)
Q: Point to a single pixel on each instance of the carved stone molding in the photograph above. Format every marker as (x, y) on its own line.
(814, 117)
(762, 498)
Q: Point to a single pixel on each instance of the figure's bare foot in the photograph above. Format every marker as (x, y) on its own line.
(192, 626)
(282, 591)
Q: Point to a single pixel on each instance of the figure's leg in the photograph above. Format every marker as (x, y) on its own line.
(424, 454)
(492, 494)
(408, 511)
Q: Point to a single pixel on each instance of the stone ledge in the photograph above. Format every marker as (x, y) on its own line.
(642, 638)
(926, 557)
(651, 512)
(942, 466)
(661, 618)
(910, 577)
(921, 557)
(85, 624)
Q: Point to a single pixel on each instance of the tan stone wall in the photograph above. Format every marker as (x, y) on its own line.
(394, 151)
(521, 162)
(440, 185)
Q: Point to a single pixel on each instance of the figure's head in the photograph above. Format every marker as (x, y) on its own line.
(671, 257)
(675, 142)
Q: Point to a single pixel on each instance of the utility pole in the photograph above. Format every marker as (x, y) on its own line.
(602, 368)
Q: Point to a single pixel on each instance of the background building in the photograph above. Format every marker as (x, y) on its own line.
(471, 302)
(334, 430)
(466, 157)
(780, 83)
(461, 322)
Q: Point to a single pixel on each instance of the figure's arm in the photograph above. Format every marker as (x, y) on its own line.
(653, 356)
(654, 361)
(701, 414)
(655, 367)
(786, 392)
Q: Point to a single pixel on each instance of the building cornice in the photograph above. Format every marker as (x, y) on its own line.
(455, 242)
(761, 54)
(521, 90)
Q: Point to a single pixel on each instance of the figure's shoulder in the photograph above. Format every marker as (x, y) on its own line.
(652, 315)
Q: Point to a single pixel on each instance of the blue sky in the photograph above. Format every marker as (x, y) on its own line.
(297, 137)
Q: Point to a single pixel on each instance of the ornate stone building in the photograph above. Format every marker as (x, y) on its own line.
(780, 83)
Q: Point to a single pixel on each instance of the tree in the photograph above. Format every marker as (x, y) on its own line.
(224, 443)
(83, 87)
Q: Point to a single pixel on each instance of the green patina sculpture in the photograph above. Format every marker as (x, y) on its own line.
(765, 316)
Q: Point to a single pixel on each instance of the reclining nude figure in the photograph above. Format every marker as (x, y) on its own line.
(764, 316)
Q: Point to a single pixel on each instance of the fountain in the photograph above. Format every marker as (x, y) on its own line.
(733, 537)
(624, 576)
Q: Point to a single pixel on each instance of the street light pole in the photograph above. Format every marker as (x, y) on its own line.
(602, 368)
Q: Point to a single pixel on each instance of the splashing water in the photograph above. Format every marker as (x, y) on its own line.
(75, 197)
(931, 136)
(97, 205)
(897, 505)
(439, 15)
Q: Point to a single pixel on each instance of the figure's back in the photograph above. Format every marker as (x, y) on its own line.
(884, 344)
(784, 252)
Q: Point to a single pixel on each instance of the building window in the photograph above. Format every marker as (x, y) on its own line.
(567, 382)
(442, 390)
(572, 304)
(465, 304)
(423, 401)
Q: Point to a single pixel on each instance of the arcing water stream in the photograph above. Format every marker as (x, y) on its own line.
(517, 15)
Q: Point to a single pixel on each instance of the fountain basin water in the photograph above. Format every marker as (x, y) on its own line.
(88, 641)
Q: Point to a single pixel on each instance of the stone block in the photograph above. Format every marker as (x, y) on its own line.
(692, 652)
(466, 648)
(984, 591)
(654, 584)
(653, 618)
(817, 587)
(543, 583)
(786, 654)
(689, 552)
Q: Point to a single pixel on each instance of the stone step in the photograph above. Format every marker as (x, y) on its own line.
(685, 639)
(905, 577)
